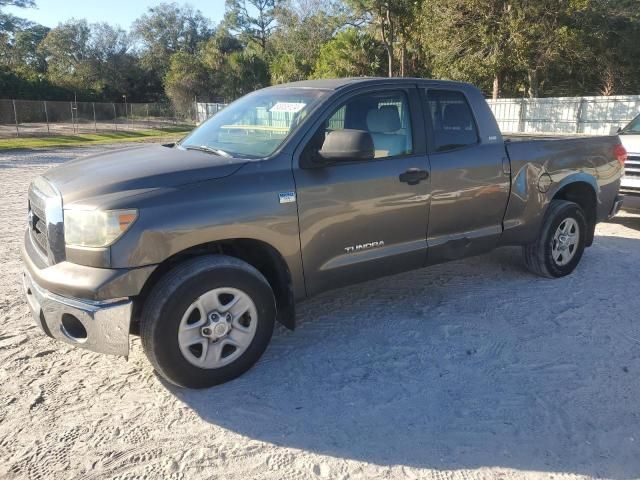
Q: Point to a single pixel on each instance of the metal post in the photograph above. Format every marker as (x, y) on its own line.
(95, 125)
(46, 116)
(126, 111)
(522, 118)
(73, 124)
(148, 123)
(579, 115)
(15, 116)
(115, 116)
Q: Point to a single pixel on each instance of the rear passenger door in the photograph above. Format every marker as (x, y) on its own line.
(469, 184)
(362, 219)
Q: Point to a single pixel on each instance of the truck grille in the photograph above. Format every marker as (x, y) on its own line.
(46, 226)
(632, 166)
(38, 226)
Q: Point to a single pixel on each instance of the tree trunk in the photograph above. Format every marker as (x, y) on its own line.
(388, 38)
(403, 54)
(608, 82)
(496, 86)
(534, 83)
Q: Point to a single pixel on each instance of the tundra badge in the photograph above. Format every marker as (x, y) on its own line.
(364, 246)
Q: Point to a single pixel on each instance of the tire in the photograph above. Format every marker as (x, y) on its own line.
(540, 257)
(184, 289)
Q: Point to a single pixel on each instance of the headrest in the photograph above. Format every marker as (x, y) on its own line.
(384, 119)
(456, 116)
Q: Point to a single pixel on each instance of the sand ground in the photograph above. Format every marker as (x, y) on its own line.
(469, 370)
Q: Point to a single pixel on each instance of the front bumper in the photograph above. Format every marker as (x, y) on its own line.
(100, 326)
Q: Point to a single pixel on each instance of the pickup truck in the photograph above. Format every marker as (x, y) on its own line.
(202, 245)
(630, 138)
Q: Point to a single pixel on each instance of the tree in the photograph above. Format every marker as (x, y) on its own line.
(92, 59)
(186, 78)
(168, 29)
(68, 55)
(11, 23)
(542, 34)
(391, 19)
(20, 52)
(489, 41)
(19, 39)
(233, 69)
(351, 53)
(609, 31)
(302, 28)
(17, 3)
(246, 71)
(252, 27)
(468, 40)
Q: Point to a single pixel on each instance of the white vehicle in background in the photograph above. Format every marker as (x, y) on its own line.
(630, 138)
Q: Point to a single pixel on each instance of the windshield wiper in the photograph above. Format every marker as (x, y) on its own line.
(207, 149)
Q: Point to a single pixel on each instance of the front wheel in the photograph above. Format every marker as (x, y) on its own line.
(560, 243)
(207, 321)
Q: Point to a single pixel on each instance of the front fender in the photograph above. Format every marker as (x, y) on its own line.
(244, 206)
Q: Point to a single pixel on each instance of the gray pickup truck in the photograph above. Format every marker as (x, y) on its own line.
(200, 246)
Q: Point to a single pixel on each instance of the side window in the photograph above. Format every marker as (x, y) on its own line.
(384, 115)
(452, 120)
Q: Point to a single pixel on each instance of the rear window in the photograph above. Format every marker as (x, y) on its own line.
(452, 120)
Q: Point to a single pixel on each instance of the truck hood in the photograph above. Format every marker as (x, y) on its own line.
(137, 169)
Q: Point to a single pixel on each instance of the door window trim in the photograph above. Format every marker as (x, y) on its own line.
(415, 116)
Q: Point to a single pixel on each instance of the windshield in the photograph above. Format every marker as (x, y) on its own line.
(633, 128)
(255, 125)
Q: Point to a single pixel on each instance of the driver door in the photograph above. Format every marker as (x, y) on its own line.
(360, 219)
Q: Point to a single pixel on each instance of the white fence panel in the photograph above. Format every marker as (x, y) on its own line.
(204, 111)
(565, 115)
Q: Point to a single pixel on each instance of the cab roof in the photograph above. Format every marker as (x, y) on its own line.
(339, 83)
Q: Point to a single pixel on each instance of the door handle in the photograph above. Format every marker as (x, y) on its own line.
(413, 176)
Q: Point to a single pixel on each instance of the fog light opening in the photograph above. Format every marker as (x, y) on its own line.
(73, 328)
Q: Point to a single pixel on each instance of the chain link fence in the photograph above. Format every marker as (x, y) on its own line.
(23, 118)
(565, 115)
(562, 115)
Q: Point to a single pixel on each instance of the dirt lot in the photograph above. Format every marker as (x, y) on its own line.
(469, 370)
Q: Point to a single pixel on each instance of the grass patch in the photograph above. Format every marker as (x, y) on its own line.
(168, 134)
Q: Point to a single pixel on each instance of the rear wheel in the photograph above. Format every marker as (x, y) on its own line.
(207, 321)
(560, 243)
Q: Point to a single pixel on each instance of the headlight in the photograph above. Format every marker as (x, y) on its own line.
(96, 228)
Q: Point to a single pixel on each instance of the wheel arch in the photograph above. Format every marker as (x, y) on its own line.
(581, 189)
(261, 255)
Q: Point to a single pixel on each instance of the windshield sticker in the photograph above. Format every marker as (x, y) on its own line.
(287, 107)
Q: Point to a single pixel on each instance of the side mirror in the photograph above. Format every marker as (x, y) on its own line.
(347, 145)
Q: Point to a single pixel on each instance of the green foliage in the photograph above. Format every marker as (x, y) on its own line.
(507, 47)
(352, 53)
(392, 20)
(186, 79)
(167, 29)
(253, 20)
(17, 3)
(302, 29)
